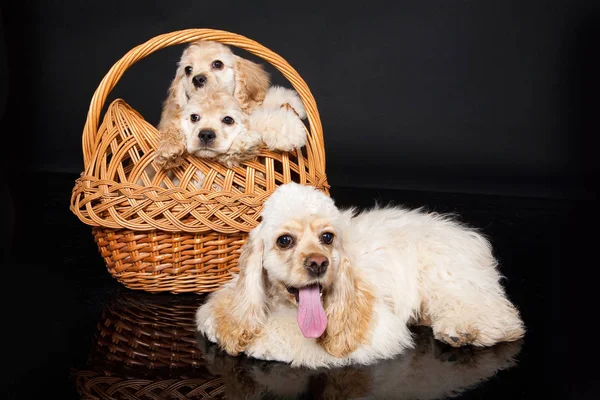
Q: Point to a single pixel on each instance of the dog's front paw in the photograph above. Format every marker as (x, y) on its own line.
(169, 155)
(289, 135)
(205, 322)
(456, 335)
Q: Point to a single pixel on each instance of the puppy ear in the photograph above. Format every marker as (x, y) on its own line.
(176, 99)
(349, 309)
(251, 83)
(241, 309)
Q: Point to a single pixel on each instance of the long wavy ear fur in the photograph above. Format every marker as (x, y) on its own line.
(251, 83)
(349, 308)
(176, 99)
(240, 310)
(171, 141)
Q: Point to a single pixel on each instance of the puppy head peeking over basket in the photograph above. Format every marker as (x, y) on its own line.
(212, 125)
(203, 67)
(211, 80)
(205, 63)
(215, 127)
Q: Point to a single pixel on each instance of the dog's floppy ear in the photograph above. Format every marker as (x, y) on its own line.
(349, 309)
(176, 99)
(251, 83)
(241, 312)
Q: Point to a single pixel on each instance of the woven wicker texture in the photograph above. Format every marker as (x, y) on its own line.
(146, 348)
(158, 231)
(94, 386)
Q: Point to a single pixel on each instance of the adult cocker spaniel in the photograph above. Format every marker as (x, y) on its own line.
(321, 287)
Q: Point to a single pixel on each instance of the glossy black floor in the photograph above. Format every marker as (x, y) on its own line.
(72, 331)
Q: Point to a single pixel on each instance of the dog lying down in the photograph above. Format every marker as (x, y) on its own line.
(321, 287)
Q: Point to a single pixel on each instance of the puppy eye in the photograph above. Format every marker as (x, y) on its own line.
(228, 120)
(284, 241)
(194, 118)
(188, 70)
(327, 237)
(217, 64)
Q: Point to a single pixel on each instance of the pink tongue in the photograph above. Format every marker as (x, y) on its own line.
(311, 315)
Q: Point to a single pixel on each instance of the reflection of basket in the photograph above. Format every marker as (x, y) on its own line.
(146, 349)
(161, 237)
(95, 386)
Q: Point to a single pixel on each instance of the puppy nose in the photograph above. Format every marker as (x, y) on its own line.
(207, 136)
(199, 80)
(316, 264)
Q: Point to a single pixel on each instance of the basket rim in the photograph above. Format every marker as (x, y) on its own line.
(185, 36)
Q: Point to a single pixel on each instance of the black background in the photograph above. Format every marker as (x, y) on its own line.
(481, 97)
(469, 96)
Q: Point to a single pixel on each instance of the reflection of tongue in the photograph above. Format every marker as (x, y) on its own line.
(311, 316)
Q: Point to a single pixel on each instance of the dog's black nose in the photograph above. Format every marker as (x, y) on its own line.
(199, 80)
(316, 264)
(207, 136)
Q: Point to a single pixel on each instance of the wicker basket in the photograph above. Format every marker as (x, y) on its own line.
(158, 236)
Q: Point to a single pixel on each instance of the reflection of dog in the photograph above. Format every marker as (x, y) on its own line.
(213, 126)
(320, 287)
(431, 370)
(206, 64)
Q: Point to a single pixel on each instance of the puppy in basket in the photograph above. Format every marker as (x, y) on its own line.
(320, 287)
(213, 126)
(207, 62)
(207, 66)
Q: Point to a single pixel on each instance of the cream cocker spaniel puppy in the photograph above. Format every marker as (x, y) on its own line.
(205, 64)
(323, 287)
(212, 125)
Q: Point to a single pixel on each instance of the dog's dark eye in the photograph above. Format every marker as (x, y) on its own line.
(327, 237)
(285, 241)
(217, 64)
(194, 118)
(228, 120)
(188, 70)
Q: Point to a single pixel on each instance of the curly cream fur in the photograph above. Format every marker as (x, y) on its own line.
(245, 80)
(388, 266)
(270, 126)
(238, 314)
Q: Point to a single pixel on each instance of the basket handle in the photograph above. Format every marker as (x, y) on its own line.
(110, 80)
